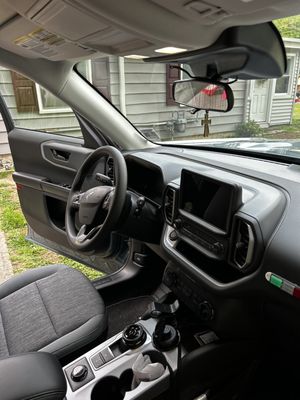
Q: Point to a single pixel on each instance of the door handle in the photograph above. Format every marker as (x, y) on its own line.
(60, 155)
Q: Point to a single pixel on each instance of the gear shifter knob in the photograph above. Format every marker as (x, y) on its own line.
(134, 336)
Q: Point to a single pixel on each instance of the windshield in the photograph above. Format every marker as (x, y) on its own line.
(265, 117)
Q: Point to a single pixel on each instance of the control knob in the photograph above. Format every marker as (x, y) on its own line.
(79, 373)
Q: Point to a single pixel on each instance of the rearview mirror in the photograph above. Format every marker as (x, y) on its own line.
(203, 94)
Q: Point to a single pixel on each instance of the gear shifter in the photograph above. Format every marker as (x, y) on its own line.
(133, 336)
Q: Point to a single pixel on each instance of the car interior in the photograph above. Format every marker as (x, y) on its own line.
(199, 245)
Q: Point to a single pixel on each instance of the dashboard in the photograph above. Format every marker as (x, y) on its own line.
(230, 223)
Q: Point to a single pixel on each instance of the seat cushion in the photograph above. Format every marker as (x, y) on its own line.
(53, 308)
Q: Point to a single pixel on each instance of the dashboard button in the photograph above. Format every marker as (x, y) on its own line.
(140, 258)
(107, 354)
(97, 361)
(173, 236)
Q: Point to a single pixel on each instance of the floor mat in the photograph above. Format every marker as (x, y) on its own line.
(126, 312)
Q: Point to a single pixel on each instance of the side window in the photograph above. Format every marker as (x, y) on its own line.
(33, 107)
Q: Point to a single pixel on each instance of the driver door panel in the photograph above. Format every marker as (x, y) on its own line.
(45, 166)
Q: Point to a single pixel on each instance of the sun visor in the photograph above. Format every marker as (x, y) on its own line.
(243, 52)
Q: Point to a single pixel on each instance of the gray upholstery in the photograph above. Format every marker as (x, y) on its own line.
(32, 376)
(53, 308)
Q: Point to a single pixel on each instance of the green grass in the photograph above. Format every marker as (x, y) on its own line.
(286, 132)
(4, 174)
(24, 254)
(296, 115)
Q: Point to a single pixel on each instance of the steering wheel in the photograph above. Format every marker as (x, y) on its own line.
(92, 215)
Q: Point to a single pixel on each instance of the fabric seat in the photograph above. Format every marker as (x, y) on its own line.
(53, 308)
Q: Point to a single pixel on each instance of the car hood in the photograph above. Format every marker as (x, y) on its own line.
(289, 148)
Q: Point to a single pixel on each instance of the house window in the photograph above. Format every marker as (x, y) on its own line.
(284, 84)
(48, 103)
(26, 112)
(187, 73)
(172, 75)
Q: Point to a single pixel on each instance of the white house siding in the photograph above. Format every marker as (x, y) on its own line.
(114, 80)
(4, 148)
(282, 111)
(146, 102)
(49, 122)
(282, 105)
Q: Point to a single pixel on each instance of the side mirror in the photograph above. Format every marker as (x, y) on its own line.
(202, 94)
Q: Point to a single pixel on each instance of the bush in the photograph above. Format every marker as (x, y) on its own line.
(248, 129)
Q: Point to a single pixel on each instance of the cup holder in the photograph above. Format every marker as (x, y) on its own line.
(113, 388)
(156, 357)
(126, 380)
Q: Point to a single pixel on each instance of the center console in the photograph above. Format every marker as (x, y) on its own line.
(106, 371)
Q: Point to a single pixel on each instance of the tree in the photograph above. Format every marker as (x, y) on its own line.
(289, 27)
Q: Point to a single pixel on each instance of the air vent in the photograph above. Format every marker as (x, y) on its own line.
(110, 168)
(169, 204)
(244, 245)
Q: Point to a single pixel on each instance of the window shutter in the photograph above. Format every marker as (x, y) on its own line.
(101, 75)
(172, 74)
(25, 93)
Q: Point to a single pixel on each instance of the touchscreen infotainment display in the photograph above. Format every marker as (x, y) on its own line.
(208, 199)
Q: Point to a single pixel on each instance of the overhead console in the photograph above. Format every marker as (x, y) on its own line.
(218, 223)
